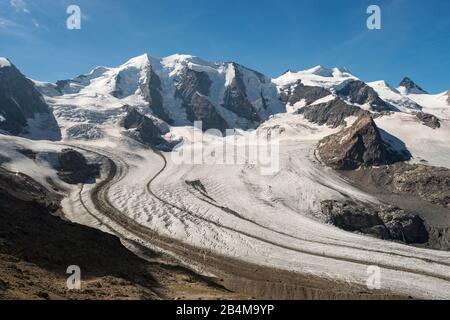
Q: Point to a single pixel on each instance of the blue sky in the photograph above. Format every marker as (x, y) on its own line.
(270, 36)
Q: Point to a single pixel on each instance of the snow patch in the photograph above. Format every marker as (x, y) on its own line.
(4, 62)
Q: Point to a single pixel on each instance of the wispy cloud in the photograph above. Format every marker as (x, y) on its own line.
(35, 23)
(20, 6)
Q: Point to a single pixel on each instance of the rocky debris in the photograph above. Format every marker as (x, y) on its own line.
(360, 93)
(411, 86)
(144, 129)
(429, 183)
(301, 92)
(19, 100)
(332, 113)
(73, 167)
(193, 91)
(388, 223)
(359, 145)
(428, 120)
(448, 96)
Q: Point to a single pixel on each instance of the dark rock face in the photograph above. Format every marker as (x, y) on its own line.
(411, 86)
(300, 92)
(236, 99)
(448, 96)
(19, 100)
(152, 92)
(388, 223)
(429, 120)
(192, 90)
(429, 183)
(359, 145)
(332, 113)
(360, 93)
(73, 167)
(144, 129)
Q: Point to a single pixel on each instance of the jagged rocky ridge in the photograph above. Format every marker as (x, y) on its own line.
(332, 113)
(360, 93)
(301, 92)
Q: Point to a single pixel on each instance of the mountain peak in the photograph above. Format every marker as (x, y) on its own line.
(139, 61)
(4, 62)
(327, 72)
(411, 87)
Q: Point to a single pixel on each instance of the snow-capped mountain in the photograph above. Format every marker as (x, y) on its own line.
(409, 86)
(394, 97)
(178, 89)
(333, 81)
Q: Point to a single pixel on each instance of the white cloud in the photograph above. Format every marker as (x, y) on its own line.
(20, 6)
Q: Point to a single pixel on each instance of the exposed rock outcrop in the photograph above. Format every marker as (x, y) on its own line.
(388, 223)
(73, 167)
(332, 113)
(192, 90)
(301, 92)
(235, 98)
(152, 93)
(360, 93)
(19, 100)
(428, 120)
(411, 87)
(143, 128)
(359, 145)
